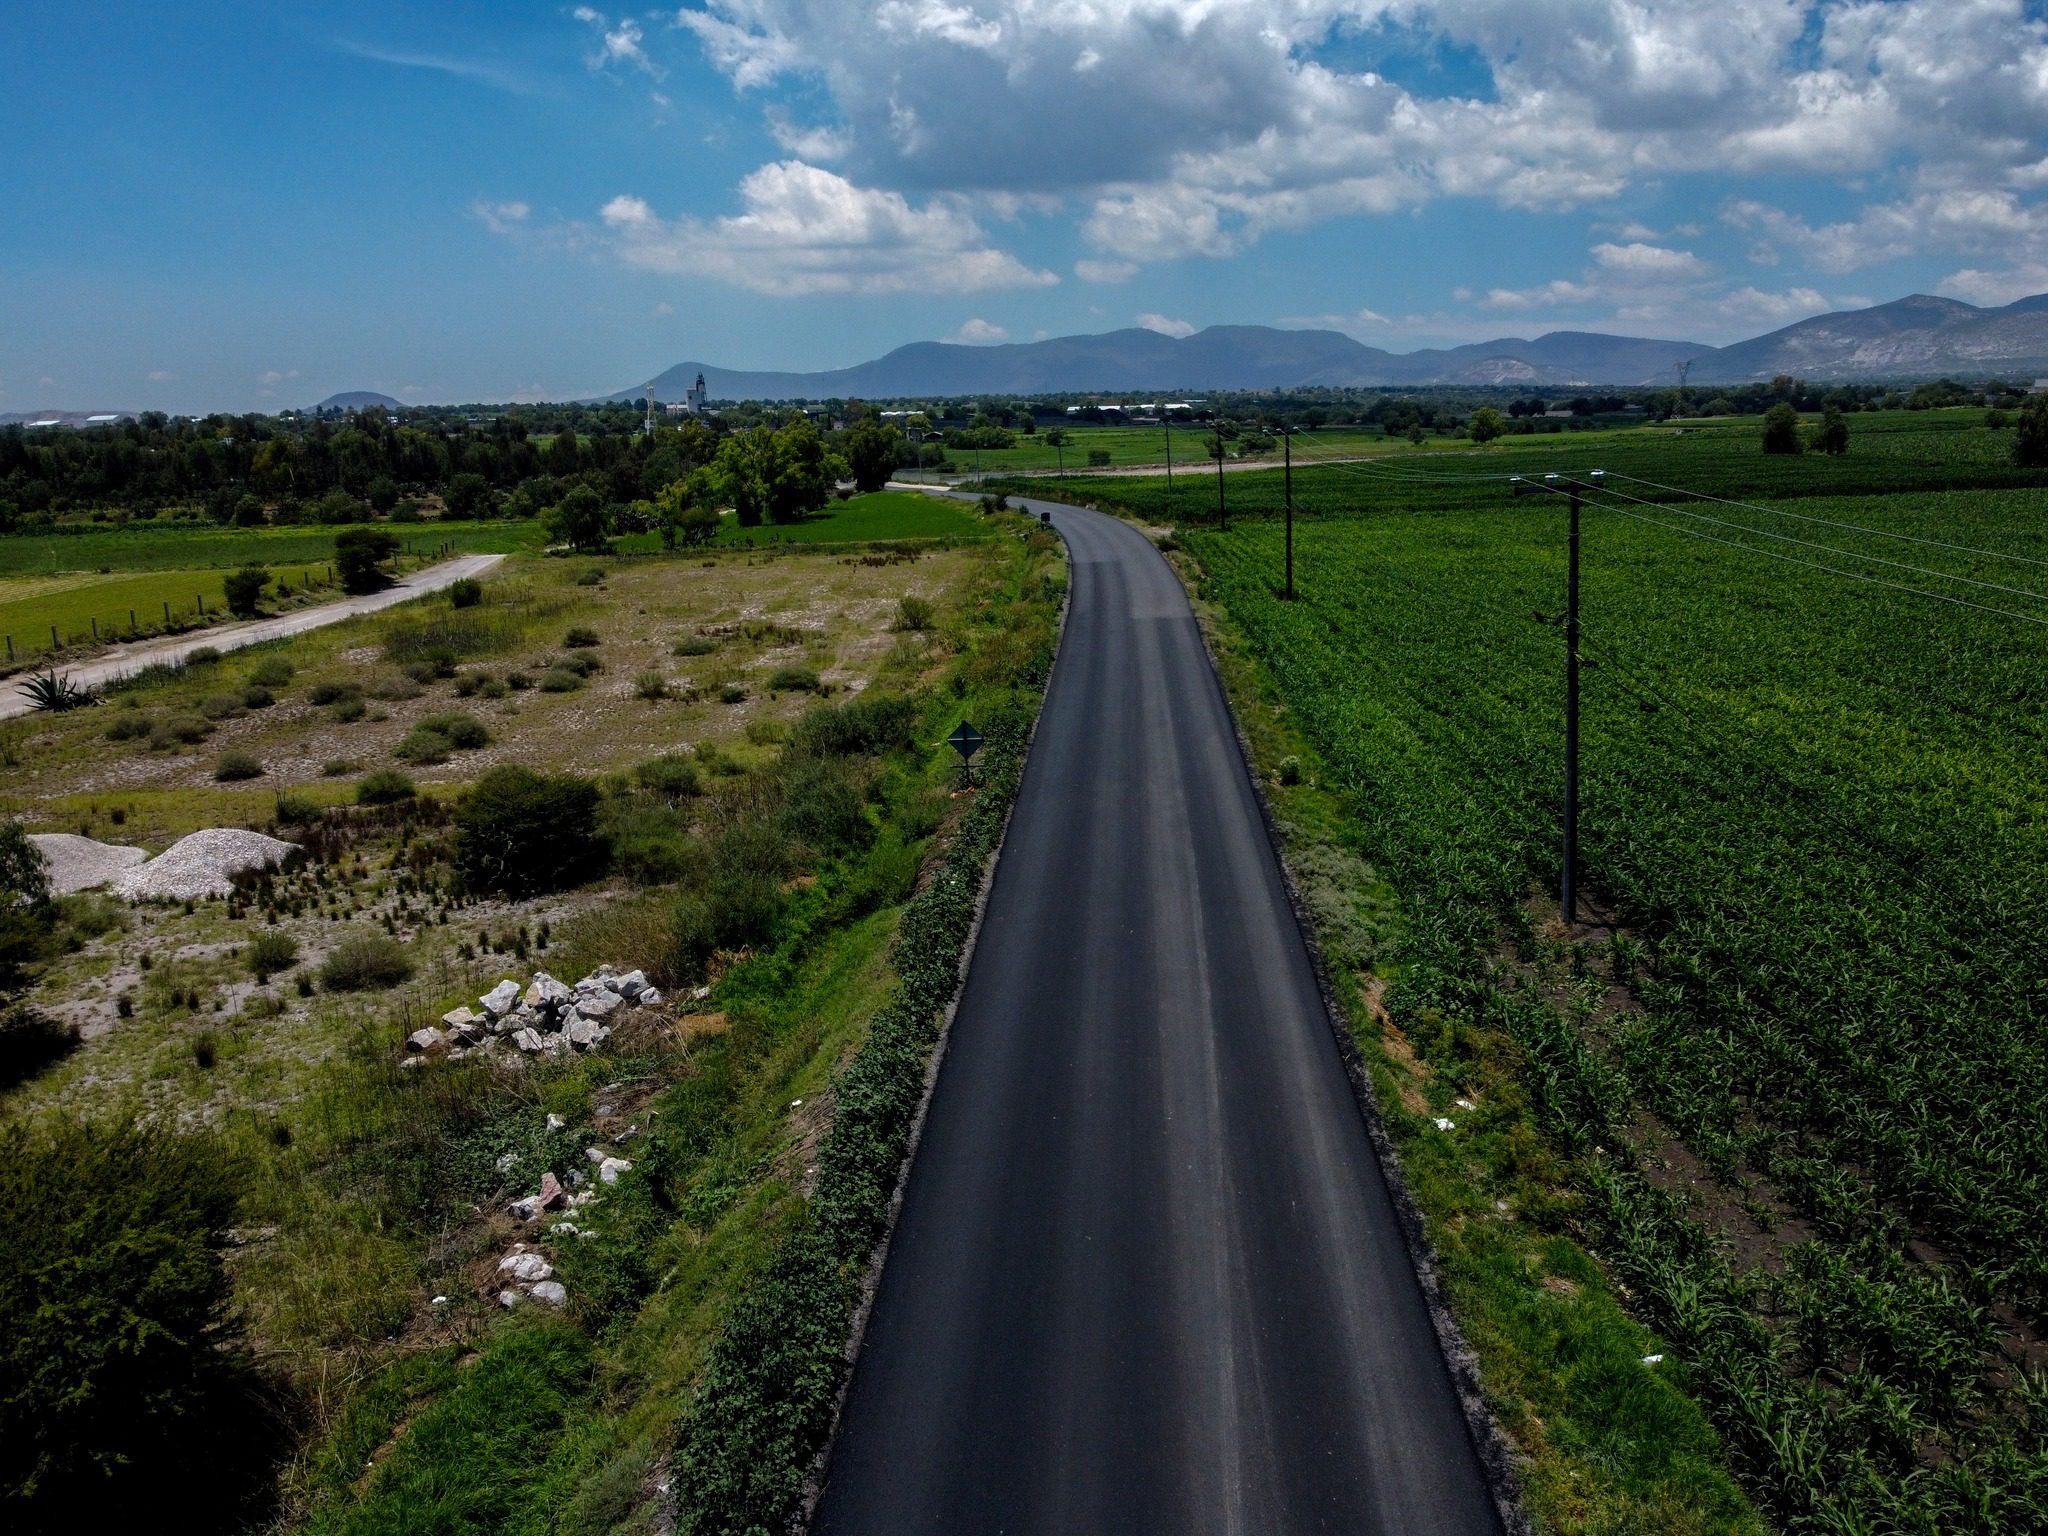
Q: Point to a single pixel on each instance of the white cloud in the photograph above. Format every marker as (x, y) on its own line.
(479, 71)
(1194, 127)
(619, 44)
(1977, 286)
(806, 143)
(806, 230)
(1166, 326)
(663, 310)
(161, 376)
(500, 218)
(1976, 221)
(1640, 260)
(1555, 294)
(1090, 271)
(978, 333)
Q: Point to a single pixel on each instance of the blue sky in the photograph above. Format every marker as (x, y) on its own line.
(237, 206)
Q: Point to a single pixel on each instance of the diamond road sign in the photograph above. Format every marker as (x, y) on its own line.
(965, 740)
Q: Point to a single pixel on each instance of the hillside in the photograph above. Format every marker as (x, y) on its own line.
(1920, 335)
(358, 400)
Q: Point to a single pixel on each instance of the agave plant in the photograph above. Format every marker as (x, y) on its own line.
(53, 690)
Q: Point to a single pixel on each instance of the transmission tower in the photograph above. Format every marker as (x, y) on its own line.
(648, 429)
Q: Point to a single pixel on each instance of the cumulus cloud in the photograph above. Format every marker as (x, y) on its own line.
(1559, 293)
(500, 218)
(1194, 129)
(978, 333)
(1640, 260)
(1091, 271)
(805, 230)
(1979, 221)
(1977, 286)
(1166, 326)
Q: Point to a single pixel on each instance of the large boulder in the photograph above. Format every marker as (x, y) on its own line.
(501, 999)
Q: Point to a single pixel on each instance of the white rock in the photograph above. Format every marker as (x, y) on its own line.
(554, 1045)
(508, 1162)
(1652, 1359)
(610, 1169)
(556, 1122)
(425, 1039)
(551, 1292)
(469, 1034)
(455, 1018)
(546, 992)
(72, 862)
(413, 1061)
(582, 1033)
(698, 994)
(203, 864)
(501, 999)
(526, 1209)
(525, 1266)
(596, 1154)
(631, 985)
(651, 998)
(438, 1301)
(529, 1040)
(1445, 1125)
(599, 1005)
(508, 1299)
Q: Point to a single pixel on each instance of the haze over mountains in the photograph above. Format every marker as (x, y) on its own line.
(1921, 335)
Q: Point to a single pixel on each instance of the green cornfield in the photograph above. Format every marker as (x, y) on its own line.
(1815, 821)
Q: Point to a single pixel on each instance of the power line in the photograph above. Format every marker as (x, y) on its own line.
(1815, 565)
(1804, 517)
(1847, 554)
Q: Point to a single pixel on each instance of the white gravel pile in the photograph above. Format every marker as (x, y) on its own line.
(203, 864)
(76, 863)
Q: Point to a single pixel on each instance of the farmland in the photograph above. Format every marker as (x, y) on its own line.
(1791, 1067)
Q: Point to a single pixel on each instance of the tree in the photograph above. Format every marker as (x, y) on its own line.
(871, 452)
(382, 493)
(581, 519)
(741, 473)
(798, 481)
(1781, 429)
(244, 589)
(1834, 432)
(2030, 440)
(468, 495)
(24, 902)
(521, 832)
(358, 555)
(1485, 425)
(1056, 439)
(565, 453)
(684, 513)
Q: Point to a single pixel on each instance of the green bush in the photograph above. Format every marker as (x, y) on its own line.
(384, 786)
(333, 693)
(347, 711)
(365, 962)
(560, 680)
(235, 766)
(581, 638)
(115, 1389)
(695, 645)
(871, 724)
(464, 732)
(671, 777)
(129, 725)
(521, 832)
(202, 656)
(423, 746)
(794, 680)
(358, 555)
(270, 952)
(582, 666)
(179, 731)
(296, 810)
(396, 687)
(336, 767)
(823, 806)
(732, 693)
(467, 592)
(29, 1041)
(256, 696)
(913, 613)
(272, 672)
(1781, 429)
(244, 590)
(222, 706)
(651, 686)
(649, 841)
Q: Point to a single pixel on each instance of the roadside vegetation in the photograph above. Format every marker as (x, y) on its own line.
(336, 1208)
(1745, 1171)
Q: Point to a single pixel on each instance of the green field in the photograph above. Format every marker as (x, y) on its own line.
(883, 517)
(1817, 808)
(122, 606)
(148, 547)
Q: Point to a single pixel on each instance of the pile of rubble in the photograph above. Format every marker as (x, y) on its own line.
(526, 1274)
(549, 1017)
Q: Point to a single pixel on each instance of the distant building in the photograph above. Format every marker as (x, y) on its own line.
(105, 420)
(2040, 387)
(47, 421)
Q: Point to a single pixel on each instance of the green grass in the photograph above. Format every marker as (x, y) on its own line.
(144, 546)
(1818, 807)
(1132, 446)
(30, 606)
(881, 518)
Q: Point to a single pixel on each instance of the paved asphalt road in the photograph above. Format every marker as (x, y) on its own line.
(1148, 1277)
(123, 660)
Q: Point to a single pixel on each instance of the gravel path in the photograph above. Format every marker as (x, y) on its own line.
(124, 660)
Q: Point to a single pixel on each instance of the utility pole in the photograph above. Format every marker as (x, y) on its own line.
(1568, 893)
(1287, 441)
(1167, 417)
(1222, 512)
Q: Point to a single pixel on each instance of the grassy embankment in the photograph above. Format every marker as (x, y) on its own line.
(1775, 1102)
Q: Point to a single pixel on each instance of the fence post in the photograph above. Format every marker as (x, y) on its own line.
(133, 627)
(167, 613)
(95, 631)
(10, 650)
(55, 643)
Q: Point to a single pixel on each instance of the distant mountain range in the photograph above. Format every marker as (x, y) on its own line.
(1917, 336)
(358, 400)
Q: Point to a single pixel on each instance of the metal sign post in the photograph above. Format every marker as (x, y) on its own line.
(966, 740)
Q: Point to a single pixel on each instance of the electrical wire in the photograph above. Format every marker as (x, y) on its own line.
(1806, 517)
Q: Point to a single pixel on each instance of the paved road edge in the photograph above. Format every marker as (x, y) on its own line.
(1497, 1455)
(871, 1281)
